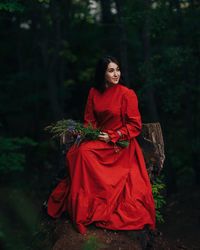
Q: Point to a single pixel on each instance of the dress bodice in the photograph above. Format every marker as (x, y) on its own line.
(116, 109)
(108, 108)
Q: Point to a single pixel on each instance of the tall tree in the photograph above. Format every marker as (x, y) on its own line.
(123, 40)
(146, 42)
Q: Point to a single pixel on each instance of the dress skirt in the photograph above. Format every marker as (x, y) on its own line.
(111, 189)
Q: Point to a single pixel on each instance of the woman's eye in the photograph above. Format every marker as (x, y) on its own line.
(112, 70)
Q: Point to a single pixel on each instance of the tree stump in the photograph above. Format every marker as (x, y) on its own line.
(150, 141)
(152, 145)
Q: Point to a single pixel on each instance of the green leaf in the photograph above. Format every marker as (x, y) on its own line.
(46, 1)
(92, 244)
(11, 6)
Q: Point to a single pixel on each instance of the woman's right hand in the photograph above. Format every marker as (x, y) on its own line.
(104, 137)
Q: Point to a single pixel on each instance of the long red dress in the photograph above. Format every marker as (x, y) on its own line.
(107, 186)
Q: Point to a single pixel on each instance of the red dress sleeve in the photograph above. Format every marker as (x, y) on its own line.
(89, 115)
(131, 119)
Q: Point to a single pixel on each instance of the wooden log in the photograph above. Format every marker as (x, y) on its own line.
(152, 145)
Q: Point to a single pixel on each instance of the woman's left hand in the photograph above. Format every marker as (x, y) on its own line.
(104, 137)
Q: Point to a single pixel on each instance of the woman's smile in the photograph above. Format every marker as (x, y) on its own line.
(112, 74)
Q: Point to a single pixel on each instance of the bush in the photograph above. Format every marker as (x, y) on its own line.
(12, 153)
(157, 186)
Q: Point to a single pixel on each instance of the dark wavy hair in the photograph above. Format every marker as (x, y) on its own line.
(101, 68)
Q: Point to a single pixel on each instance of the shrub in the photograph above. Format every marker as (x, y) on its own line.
(12, 156)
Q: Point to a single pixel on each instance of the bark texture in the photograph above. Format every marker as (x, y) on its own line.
(152, 145)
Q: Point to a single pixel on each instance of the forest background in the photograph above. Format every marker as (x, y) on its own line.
(48, 53)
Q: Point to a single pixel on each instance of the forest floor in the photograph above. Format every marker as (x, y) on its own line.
(182, 220)
(180, 230)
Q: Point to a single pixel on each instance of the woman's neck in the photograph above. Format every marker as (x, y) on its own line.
(108, 84)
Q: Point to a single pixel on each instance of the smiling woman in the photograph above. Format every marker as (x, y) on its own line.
(107, 184)
(107, 73)
(112, 74)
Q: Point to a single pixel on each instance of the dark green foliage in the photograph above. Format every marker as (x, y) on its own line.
(93, 244)
(47, 1)
(11, 5)
(86, 132)
(92, 134)
(157, 186)
(12, 154)
(61, 127)
(16, 5)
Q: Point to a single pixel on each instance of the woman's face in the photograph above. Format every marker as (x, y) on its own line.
(112, 74)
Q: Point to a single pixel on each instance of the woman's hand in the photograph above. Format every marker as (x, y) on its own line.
(104, 137)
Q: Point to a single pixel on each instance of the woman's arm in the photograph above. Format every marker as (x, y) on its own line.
(131, 119)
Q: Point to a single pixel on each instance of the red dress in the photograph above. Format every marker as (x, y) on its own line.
(107, 187)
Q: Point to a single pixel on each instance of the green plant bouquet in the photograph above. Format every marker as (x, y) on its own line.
(83, 133)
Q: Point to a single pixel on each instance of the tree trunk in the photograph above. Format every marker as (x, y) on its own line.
(190, 124)
(106, 15)
(123, 42)
(152, 145)
(19, 46)
(63, 69)
(150, 103)
(50, 61)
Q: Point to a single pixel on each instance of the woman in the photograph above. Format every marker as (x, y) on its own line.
(107, 185)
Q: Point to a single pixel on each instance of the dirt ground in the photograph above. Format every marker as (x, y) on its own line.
(182, 220)
(180, 230)
(24, 226)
